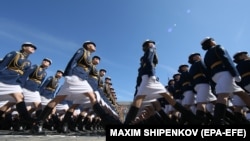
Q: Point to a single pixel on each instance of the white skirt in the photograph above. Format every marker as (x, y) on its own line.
(204, 93)
(30, 96)
(237, 101)
(189, 98)
(2, 103)
(151, 88)
(81, 100)
(45, 100)
(8, 98)
(98, 97)
(86, 106)
(61, 108)
(74, 87)
(225, 83)
(247, 87)
(6, 89)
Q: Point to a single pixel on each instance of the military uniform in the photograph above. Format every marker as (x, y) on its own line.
(186, 87)
(12, 66)
(48, 91)
(76, 85)
(93, 80)
(31, 82)
(201, 82)
(97, 82)
(49, 87)
(176, 89)
(76, 74)
(147, 74)
(224, 73)
(243, 66)
(102, 72)
(138, 78)
(107, 85)
(150, 88)
(75, 81)
(170, 87)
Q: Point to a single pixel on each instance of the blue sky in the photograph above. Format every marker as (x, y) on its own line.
(119, 27)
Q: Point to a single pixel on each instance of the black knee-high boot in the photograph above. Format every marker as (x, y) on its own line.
(166, 118)
(56, 121)
(45, 113)
(25, 119)
(84, 123)
(6, 125)
(241, 118)
(201, 115)
(219, 114)
(131, 115)
(38, 127)
(1, 114)
(186, 114)
(157, 119)
(106, 118)
(1, 118)
(38, 113)
(79, 121)
(230, 118)
(79, 118)
(152, 120)
(209, 116)
(24, 114)
(89, 124)
(64, 124)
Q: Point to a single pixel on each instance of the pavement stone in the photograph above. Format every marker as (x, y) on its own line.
(51, 136)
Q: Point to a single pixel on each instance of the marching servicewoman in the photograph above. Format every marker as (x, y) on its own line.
(14, 65)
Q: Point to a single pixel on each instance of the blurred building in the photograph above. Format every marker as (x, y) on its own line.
(123, 109)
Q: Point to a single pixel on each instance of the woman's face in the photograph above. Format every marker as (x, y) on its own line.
(29, 49)
(91, 48)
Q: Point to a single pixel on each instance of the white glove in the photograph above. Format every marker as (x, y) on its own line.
(154, 78)
(237, 78)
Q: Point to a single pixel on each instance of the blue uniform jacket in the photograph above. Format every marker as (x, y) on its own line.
(177, 92)
(73, 68)
(217, 59)
(148, 66)
(185, 82)
(30, 81)
(46, 89)
(198, 73)
(10, 76)
(171, 89)
(138, 80)
(93, 78)
(244, 69)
